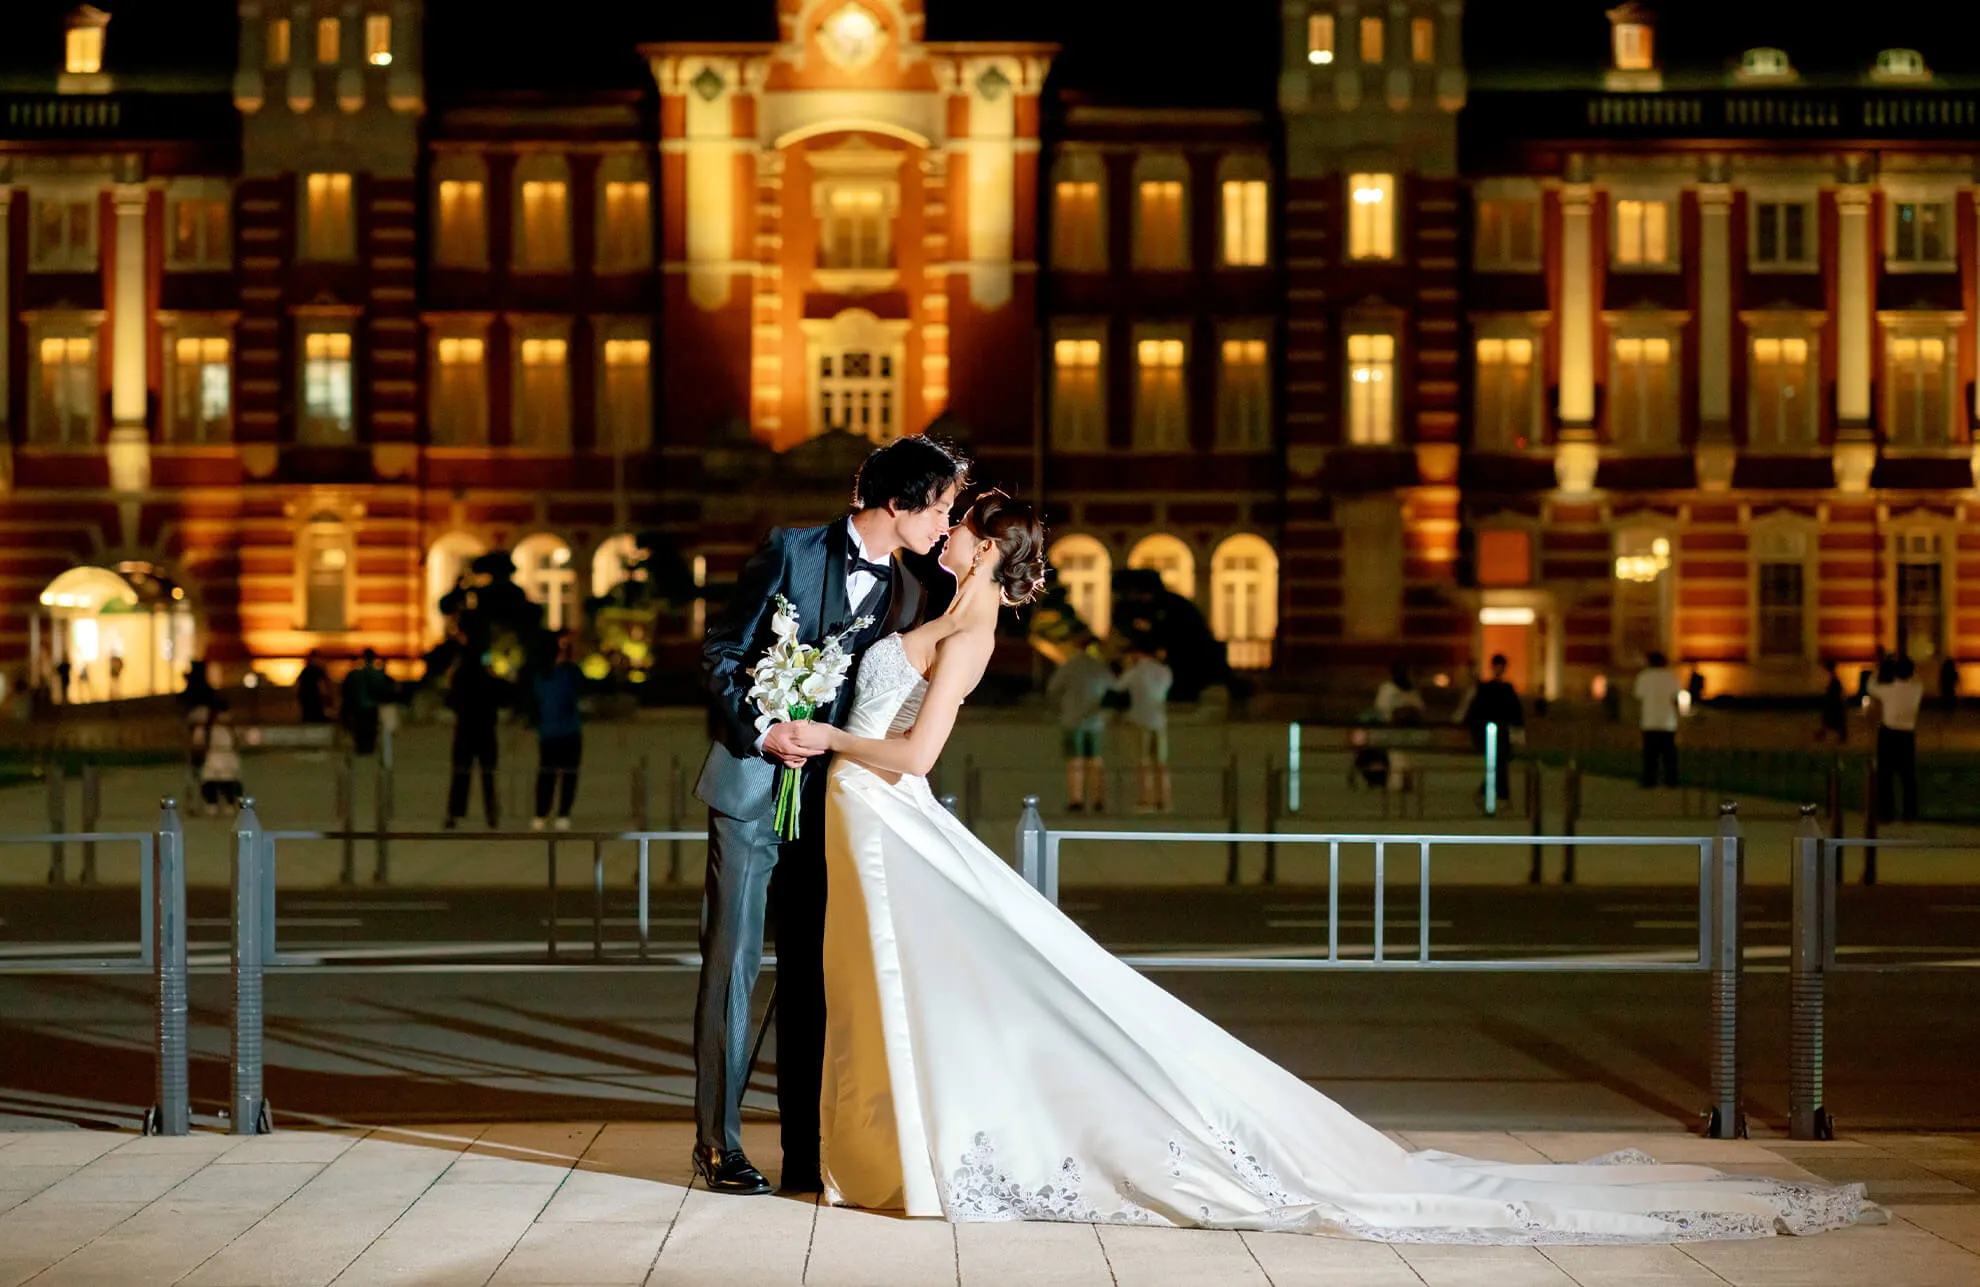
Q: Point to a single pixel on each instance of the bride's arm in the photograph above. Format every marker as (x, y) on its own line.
(959, 664)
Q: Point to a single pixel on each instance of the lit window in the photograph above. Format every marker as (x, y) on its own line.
(1371, 216)
(1921, 594)
(1244, 222)
(1168, 558)
(326, 573)
(1918, 233)
(1159, 238)
(1078, 235)
(857, 231)
(1916, 375)
(202, 389)
(624, 240)
(1161, 404)
(65, 391)
(1783, 405)
(1244, 600)
(461, 239)
(329, 232)
(278, 42)
(327, 387)
(548, 576)
(1783, 234)
(1642, 399)
(460, 391)
(628, 418)
(1422, 40)
(1507, 233)
(64, 232)
(1244, 396)
(199, 232)
(1782, 598)
(857, 393)
(82, 52)
(329, 41)
(1506, 407)
(1080, 564)
(1371, 40)
(1371, 389)
(1320, 39)
(1634, 46)
(546, 234)
(1643, 231)
(378, 39)
(543, 413)
(1078, 406)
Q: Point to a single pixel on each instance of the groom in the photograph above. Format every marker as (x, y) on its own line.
(833, 575)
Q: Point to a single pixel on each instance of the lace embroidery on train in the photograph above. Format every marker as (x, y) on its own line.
(980, 1190)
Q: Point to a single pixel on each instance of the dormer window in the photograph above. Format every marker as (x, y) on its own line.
(1633, 31)
(1900, 66)
(1765, 64)
(82, 50)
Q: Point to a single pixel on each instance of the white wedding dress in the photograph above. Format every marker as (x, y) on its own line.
(986, 1060)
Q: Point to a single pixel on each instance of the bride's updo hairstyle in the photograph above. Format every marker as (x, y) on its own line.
(1020, 539)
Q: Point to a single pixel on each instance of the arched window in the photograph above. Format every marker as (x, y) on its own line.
(1080, 563)
(326, 552)
(544, 571)
(1244, 600)
(1171, 558)
(446, 563)
(611, 566)
(857, 361)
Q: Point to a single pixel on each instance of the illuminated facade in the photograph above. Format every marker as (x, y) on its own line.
(1371, 329)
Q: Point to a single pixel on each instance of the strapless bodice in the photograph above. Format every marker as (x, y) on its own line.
(887, 693)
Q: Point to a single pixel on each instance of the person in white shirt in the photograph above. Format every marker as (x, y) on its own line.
(1147, 681)
(220, 767)
(1657, 690)
(1898, 698)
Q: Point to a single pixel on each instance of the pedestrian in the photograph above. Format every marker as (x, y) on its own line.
(1898, 700)
(199, 690)
(366, 691)
(1835, 710)
(559, 736)
(1949, 685)
(116, 675)
(1657, 717)
(313, 692)
(1080, 686)
(220, 762)
(1398, 703)
(62, 682)
(1695, 686)
(474, 696)
(1147, 681)
(1494, 711)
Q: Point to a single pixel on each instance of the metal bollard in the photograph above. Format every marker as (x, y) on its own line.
(1031, 845)
(170, 1112)
(92, 810)
(58, 822)
(250, 1106)
(1724, 1120)
(1807, 983)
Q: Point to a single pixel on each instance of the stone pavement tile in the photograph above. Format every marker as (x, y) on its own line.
(19, 1183)
(1926, 1148)
(1864, 1256)
(30, 1243)
(1579, 1146)
(868, 1249)
(1957, 1225)
(206, 1145)
(1967, 1174)
(1446, 1266)
(1309, 1260)
(302, 1244)
(1630, 1267)
(588, 1254)
(259, 1187)
(599, 1197)
(117, 1179)
(152, 1247)
(1486, 1146)
(451, 1235)
(292, 1146)
(1141, 1257)
(1037, 1255)
(64, 1148)
(736, 1239)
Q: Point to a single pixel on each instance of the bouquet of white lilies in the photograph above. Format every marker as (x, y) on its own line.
(792, 681)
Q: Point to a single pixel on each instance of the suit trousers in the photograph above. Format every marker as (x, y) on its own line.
(753, 878)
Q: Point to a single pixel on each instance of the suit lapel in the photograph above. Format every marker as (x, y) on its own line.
(835, 611)
(904, 603)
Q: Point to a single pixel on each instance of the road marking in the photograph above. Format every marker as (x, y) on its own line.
(358, 905)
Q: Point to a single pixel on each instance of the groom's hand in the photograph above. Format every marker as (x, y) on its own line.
(811, 738)
(782, 744)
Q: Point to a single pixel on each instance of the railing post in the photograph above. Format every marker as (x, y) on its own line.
(58, 822)
(92, 805)
(1534, 874)
(1570, 816)
(1274, 784)
(382, 873)
(1724, 1118)
(1231, 818)
(1807, 1118)
(170, 1112)
(347, 816)
(1031, 845)
(1837, 821)
(641, 814)
(250, 1107)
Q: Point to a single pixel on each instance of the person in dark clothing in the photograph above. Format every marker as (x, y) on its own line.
(199, 691)
(474, 696)
(1835, 709)
(1496, 703)
(365, 692)
(559, 734)
(1949, 685)
(313, 690)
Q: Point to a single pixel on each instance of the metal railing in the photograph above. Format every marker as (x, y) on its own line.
(1720, 870)
(161, 950)
(1283, 806)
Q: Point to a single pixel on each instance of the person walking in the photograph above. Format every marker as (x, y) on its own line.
(1657, 692)
(220, 763)
(1080, 686)
(1898, 699)
(1835, 708)
(559, 734)
(474, 696)
(366, 691)
(1147, 681)
(62, 673)
(1949, 685)
(1495, 710)
(313, 693)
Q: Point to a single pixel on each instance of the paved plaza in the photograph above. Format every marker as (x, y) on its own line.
(612, 1203)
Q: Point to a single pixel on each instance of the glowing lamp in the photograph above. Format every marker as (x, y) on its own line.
(1320, 57)
(1367, 196)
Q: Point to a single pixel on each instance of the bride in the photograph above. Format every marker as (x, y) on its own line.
(986, 1060)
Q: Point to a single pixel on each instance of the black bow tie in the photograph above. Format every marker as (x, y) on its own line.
(884, 571)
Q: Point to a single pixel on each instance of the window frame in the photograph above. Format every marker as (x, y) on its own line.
(70, 258)
(441, 331)
(545, 169)
(1898, 195)
(206, 258)
(326, 530)
(1250, 175)
(523, 332)
(199, 328)
(460, 248)
(1901, 531)
(1245, 651)
(1076, 167)
(633, 254)
(310, 429)
(65, 327)
(1153, 434)
(323, 248)
(1776, 325)
(1503, 257)
(1758, 200)
(1249, 332)
(1901, 327)
(1645, 326)
(1322, 38)
(1644, 532)
(1163, 168)
(1673, 260)
(1373, 238)
(1371, 328)
(1779, 528)
(609, 334)
(1503, 328)
(1081, 331)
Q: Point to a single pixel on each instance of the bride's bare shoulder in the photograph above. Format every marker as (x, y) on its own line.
(964, 649)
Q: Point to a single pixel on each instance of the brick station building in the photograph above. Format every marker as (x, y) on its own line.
(1414, 330)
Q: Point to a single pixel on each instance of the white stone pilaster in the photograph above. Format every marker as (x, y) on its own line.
(1853, 307)
(991, 154)
(1577, 394)
(130, 453)
(711, 181)
(1715, 309)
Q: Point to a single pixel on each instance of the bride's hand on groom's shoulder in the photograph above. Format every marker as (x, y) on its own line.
(810, 738)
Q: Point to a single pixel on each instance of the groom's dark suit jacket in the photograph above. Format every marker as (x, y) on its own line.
(808, 566)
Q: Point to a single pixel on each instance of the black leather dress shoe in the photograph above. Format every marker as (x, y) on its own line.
(728, 1171)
